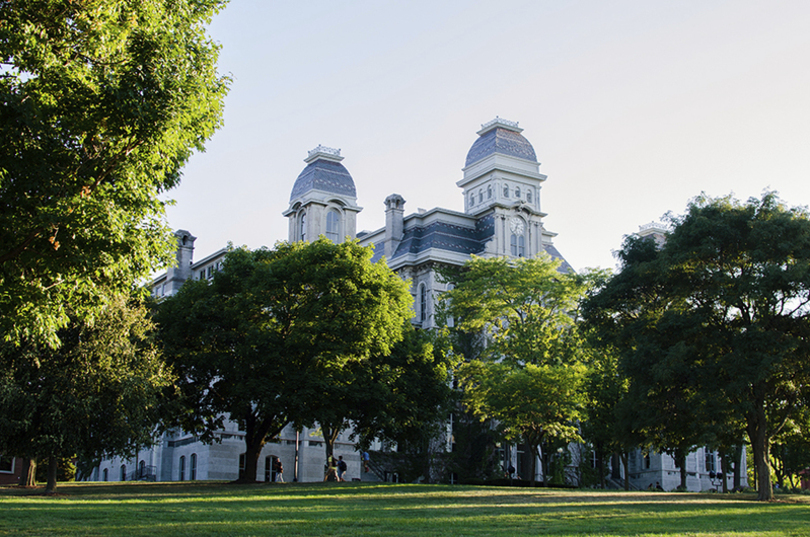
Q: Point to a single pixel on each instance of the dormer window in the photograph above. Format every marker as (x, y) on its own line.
(529, 196)
(480, 196)
(472, 200)
(505, 191)
(517, 192)
(303, 223)
(489, 192)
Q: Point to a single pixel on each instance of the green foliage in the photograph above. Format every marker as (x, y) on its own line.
(66, 470)
(532, 403)
(525, 308)
(404, 398)
(474, 453)
(530, 375)
(103, 101)
(96, 395)
(278, 336)
(713, 326)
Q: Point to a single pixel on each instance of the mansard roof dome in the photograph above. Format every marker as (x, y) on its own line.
(503, 137)
(324, 172)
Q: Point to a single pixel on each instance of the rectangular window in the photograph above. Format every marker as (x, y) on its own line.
(711, 461)
(6, 464)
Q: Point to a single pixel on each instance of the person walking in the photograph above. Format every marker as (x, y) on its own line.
(331, 469)
(279, 469)
(341, 469)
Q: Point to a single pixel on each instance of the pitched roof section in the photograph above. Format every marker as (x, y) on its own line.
(325, 175)
(555, 254)
(503, 141)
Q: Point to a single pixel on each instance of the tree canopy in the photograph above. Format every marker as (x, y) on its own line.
(264, 340)
(716, 320)
(102, 104)
(530, 376)
(96, 395)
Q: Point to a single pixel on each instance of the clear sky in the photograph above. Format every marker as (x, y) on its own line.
(633, 108)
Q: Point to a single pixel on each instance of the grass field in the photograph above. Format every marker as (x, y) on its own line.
(175, 509)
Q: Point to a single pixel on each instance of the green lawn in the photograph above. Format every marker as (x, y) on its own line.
(175, 509)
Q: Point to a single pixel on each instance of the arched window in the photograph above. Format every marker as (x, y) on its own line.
(505, 191)
(480, 196)
(529, 196)
(193, 469)
(514, 245)
(123, 472)
(472, 199)
(333, 225)
(104, 475)
(303, 223)
(489, 192)
(517, 192)
(521, 246)
(422, 303)
(183, 468)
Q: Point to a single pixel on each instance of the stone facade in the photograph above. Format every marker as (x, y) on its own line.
(501, 187)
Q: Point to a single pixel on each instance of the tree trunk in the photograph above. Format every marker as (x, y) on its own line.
(626, 464)
(330, 435)
(537, 453)
(724, 458)
(682, 464)
(757, 434)
(764, 487)
(29, 473)
(50, 487)
(738, 451)
(600, 467)
(256, 433)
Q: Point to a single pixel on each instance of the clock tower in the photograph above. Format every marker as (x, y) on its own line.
(502, 182)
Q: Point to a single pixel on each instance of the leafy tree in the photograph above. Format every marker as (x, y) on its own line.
(405, 398)
(525, 308)
(604, 427)
(102, 103)
(531, 374)
(96, 395)
(264, 340)
(720, 313)
(790, 451)
(533, 403)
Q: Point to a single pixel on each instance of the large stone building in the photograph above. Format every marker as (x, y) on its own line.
(501, 187)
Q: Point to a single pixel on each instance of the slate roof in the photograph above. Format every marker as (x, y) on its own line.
(325, 175)
(555, 254)
(503, 141)
(454, 238)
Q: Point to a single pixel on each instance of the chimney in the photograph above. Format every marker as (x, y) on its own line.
(394, 212)
(176, 276)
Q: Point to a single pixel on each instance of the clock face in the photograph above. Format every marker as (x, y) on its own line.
(516, 225)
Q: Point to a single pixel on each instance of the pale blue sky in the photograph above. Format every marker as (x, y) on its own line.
(633, 108)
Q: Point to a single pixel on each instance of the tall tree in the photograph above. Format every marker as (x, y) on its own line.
(606, 425)
(101, 104)
(734, 279)
(531, 372)
(405, 399)
(532, 404)
(261, 342)
(96, 395)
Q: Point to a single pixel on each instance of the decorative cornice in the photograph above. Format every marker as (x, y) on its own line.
(324, 152)
(499, 122)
